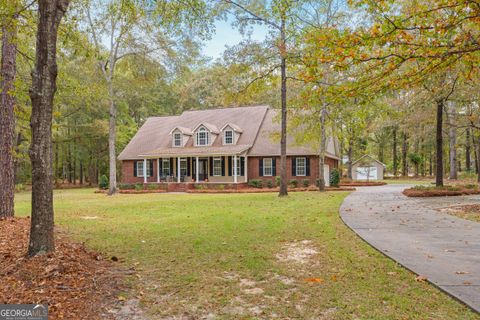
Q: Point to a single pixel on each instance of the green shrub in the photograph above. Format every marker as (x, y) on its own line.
(269, 184)
(126, 186)
(255, 183)
(453, 188)
(468, 174)
(471, 186)
(306, 183)
(277, 181)
(152, 186)
(199, 186)
(335, 178)
(293, 183)
(103, 183)
(220, 187)
(138, 186)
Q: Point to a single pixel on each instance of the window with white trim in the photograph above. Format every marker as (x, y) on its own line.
(140, 169)
(177, 140)
(228, 137)
(301, 167)
(217, 167)
(202, 137)
(183, 167)
(166, 167)
(267, 167)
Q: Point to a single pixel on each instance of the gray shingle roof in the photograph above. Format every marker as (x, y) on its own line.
(154, 134)
(259, 129)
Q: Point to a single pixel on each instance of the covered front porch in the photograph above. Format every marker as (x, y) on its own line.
(193, 169)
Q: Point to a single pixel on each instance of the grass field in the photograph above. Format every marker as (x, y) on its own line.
(247, 256)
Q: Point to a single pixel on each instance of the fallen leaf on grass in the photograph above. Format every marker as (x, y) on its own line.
(317, 280)
(420, 278)
(392, 273)
(334, 278)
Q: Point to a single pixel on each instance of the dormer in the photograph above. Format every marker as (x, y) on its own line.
(230, 134)
(180, 136)
(205, 134)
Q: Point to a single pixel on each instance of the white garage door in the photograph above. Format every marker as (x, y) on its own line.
(326, 174)
(367, 173)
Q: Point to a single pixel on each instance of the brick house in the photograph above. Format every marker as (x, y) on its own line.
(224, 146)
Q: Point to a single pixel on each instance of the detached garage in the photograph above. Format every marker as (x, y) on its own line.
(367, 168)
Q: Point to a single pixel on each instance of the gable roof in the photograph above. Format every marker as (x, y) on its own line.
(259, 125)
(233, 126)
(212, 128)
(183, 130)
(154, 134)
(367, 156)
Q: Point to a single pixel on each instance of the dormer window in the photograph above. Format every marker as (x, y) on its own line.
(177, 140)
(203, 137)
(228, 138)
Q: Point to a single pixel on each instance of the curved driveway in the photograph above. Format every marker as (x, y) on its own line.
(441, 247)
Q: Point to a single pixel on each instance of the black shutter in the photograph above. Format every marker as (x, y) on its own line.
(171, 167)
(160, 166)
(135, 168)
(150, 162)
(194, 167)
(260, 167)
(242, 166)
(188, 166)
(211, 165)
(307, 166)
(274, 167)
(223, 166)
(294, 167)
(230, 164)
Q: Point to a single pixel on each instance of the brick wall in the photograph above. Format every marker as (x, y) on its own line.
(127, 172)
(254, 171)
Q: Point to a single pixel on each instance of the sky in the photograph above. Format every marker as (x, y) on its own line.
(226, 35)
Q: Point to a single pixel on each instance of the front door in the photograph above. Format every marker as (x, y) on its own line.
(202, 169)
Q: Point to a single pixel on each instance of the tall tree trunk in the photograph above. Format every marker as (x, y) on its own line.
(350, 160)
(468, 165)
(430, 165)
(81, 173)
(44, 75)
(323, 145)
(7, 119)
(395, 158)
(404, 156)
(452, 141)
(112, 136)
(439, 144)
(283, 138)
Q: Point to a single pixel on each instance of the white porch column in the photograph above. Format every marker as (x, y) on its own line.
(235, 169)
(178, 169)
(158, 170)
(145, 170)
(196, 169)
(245, 169)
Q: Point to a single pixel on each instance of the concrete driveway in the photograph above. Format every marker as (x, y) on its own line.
(441, 247)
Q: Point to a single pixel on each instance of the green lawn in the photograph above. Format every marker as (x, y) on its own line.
(247, 256)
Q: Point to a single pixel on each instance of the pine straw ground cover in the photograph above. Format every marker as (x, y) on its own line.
(467, 211)
(246, 256)
(445, 191)
(76, 283)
